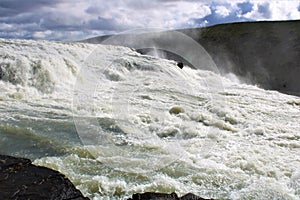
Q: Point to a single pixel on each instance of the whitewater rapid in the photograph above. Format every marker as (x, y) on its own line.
(100, 115)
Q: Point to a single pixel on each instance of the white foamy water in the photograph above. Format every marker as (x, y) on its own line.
(100, 115)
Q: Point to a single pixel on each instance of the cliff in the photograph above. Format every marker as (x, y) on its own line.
(263, 53)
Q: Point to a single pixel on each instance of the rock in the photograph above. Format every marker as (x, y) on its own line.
(1, 73)
(163, 196)
(176, 110)
(180, 65)
(20, 179)
(154, 196)
(191, 196)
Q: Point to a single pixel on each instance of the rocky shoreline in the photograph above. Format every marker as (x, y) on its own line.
(20, 179)
(163, 196)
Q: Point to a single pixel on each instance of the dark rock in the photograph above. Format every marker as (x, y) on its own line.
(191, 196)
(19, 179)
(163, 196)
(176, 110)
(1, 72)
(154, 196)
(180, 65)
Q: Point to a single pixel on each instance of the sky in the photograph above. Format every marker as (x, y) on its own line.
(70, 20)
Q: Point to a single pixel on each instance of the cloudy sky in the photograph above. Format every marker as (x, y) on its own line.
(68, 20)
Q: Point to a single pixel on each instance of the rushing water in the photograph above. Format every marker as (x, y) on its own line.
(104, 121)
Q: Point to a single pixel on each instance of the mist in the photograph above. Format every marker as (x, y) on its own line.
(255, 52)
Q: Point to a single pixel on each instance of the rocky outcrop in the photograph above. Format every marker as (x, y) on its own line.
(176, 110)
(20, 179)
(263, 53)
(163, 196)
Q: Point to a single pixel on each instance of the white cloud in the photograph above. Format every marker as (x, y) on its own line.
(284, 10)
(42, 34)
(6, 27)
(274, 10)
(222, 11)
(84, 18)
(171, 14)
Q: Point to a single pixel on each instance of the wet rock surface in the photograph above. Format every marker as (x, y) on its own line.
(20, 179)
(163, 196)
